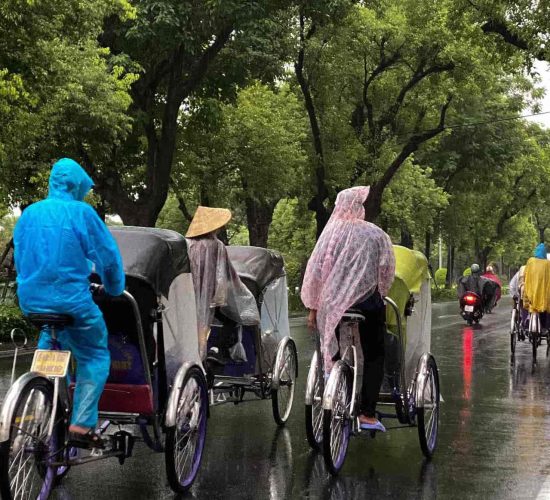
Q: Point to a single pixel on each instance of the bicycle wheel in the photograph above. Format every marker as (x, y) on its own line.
(24, 459)
(428, 415)
(534, 343)
(283, 397)
(314, 411)
(336, 420)
(185, 440)
(514, 331)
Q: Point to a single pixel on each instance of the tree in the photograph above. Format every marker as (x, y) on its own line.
(252, 155)
(389, 75)
(56, 84)
(175, 47)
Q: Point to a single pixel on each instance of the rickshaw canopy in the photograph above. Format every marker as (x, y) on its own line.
(156, 256)
(159, 258)
(411, 278)
(257, 267)
(263, 272)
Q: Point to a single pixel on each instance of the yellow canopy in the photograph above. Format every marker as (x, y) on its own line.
(536, 292)
(411, 270)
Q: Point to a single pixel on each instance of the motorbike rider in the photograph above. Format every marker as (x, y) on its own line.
(477, 284)
(497, 287)
(56, 242)
(352, 264)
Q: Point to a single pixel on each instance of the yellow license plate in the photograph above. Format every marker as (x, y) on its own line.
(51, 363)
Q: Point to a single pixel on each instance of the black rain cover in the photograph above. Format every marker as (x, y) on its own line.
(257, 267)
(154, 255)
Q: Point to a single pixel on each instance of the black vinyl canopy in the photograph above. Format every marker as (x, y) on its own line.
(257, 267)
(156, 256)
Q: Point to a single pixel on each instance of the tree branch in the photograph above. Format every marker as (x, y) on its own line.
(390, 118)
(507, 35)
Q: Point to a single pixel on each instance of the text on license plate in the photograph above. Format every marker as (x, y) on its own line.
(51, 363)
(469, 309)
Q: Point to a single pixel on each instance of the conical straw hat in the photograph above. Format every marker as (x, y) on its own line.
(206, 220)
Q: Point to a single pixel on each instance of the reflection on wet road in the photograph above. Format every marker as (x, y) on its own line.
(494, 436)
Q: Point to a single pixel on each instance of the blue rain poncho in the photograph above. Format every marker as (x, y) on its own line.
(56, 242)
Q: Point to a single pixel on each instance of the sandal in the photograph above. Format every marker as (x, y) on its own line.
(87, 441)
(378, 426)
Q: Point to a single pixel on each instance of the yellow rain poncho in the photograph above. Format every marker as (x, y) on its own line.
(536, 294)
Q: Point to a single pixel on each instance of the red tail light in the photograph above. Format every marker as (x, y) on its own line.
(470, 299)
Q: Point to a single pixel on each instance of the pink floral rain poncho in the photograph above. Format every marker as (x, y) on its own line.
(351, 259)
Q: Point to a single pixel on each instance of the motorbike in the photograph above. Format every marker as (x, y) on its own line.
(471, 307)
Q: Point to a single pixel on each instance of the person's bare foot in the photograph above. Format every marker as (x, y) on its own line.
(77, 429)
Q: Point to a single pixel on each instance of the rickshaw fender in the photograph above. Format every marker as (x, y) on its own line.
(330, 388)
(310, 385)
(420, 378)
(11, 399)
(278, 360)
(172, 406)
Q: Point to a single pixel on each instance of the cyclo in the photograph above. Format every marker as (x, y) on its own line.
(270, 365)
(411, 382)
(156, 383)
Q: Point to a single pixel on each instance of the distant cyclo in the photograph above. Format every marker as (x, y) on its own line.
(476, 295)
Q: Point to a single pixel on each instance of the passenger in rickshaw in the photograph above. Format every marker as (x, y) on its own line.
(57, 240)
(517, 285)
(218, 289)
(536, 293)
(352, 265)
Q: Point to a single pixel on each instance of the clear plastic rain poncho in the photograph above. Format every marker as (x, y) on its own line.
(350, 261)
(217, 284)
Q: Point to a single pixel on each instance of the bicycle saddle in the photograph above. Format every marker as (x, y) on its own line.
(354, 314)
(41, 320)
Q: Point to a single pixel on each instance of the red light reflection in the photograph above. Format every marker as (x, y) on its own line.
(467, 360)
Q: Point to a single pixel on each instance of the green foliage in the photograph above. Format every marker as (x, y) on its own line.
(11, 317)
(441, 276)
(293, 234)
(444, 294)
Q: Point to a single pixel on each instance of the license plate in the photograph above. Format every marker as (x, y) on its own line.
(51, 363)
(469, 309)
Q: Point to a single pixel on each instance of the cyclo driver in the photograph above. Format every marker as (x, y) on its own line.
(352, 265)
(56, 241)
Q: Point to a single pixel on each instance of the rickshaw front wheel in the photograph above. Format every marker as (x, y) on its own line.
(282, 397)
(337, 418)
(428, 412)
(185, 440)
(314, 411)
(24, 459)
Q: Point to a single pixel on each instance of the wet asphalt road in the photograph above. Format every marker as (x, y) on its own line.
(494, 440)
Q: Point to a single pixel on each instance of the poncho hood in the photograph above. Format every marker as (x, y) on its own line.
(69, 181)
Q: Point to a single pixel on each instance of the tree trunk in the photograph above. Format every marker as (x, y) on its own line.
(317, 203)
(160, 127)
(542, 230)
(258, 218)
(449, 281)
(406, 238)
(428, 246)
